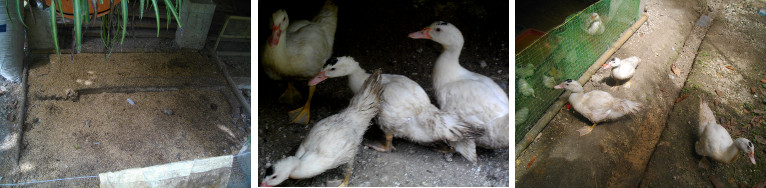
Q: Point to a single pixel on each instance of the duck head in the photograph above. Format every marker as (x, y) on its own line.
(570, 85)
(278, 24)
(614, 62)
(745, 145)
(442, 32)
(279, 172)
(594, 17)
(335, 67)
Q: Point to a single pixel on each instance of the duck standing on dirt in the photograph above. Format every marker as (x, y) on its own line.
(623, 69)
(298, 52)
(475, 98)
(405, 109)
(597, 106)
(716, 143)
(333, 141)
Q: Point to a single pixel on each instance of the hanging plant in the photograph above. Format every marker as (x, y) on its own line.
(113, 14)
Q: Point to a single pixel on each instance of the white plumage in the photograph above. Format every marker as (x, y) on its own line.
(405, 109)
(715, 142)
(594, 25)
(623, 69)
(597, 106)
(475, 98)
(333, 141)
(298, 51)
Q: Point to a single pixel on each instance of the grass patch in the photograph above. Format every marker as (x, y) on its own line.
(702, 56)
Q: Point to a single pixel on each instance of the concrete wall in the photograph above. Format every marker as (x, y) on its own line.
(196, 16)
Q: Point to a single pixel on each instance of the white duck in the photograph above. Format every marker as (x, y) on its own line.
(333, 141)
(715, 142)
(594, 25)
(405, 109)
(475, 98)
(597, 106)
(623, 69)
(298, 51)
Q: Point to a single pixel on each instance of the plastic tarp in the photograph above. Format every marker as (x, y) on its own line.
(208, 172)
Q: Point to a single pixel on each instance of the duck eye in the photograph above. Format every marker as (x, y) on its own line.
(438, 29)
(332, 69)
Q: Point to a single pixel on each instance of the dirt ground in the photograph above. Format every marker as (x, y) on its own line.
(375, 34)
(735, 39)
(10, 103)
(622, 152)
(80, 120)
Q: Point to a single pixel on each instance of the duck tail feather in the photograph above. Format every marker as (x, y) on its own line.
(623, 107)
(705, 115)
(327, 17)
(466, 148)
(368, 100)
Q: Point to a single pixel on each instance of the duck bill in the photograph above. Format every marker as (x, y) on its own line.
(319, 78)
(275, 34)
(751, 155)
(560, 86)
(606, 65)
(264, 184)
(422, 34)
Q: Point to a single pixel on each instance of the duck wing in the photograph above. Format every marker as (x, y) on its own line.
(714, 141)
(476, 101)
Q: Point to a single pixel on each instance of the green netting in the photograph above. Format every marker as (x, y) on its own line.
(563, 53)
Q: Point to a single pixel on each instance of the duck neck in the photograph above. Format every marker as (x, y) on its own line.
(576, 93)
(286, 167)
(356, 79)
(731, 152)
(282, 40)
(447, 65)
(276, 53)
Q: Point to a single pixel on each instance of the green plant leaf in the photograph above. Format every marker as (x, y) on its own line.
(124, 5)
(85, 7)
(173, 10)
(77, 23)
(104, 30)
(167, 18)
(95, 10)
(54, 31)
(61, 10)
(141, 9)
(157, 16)
(8, 11)
(18, 10)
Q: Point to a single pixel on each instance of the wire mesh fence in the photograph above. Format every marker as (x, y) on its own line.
(566, 52)
(239, 177)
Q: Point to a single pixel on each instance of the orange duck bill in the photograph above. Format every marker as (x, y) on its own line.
(422, 34)
(318, 78)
